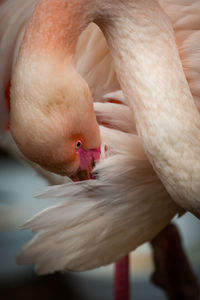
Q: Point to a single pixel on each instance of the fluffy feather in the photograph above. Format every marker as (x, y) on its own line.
(101, 220)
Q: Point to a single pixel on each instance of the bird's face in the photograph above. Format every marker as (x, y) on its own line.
(58, 128)
(75, 153)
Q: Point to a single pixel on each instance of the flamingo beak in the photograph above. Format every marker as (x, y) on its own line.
(87, 163)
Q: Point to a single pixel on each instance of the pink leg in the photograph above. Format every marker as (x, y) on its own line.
(121, 282)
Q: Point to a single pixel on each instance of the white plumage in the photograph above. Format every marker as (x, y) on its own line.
(101, 220)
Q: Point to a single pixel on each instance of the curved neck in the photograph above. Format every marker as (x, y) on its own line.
(56, 25)
(151, 76)
(149, 70)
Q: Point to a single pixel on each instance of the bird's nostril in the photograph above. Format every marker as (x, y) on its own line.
(93, 163)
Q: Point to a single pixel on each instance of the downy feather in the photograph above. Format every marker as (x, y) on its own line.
(101, 220)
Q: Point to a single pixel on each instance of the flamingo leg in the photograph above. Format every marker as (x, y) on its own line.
(121, 279)
(173, 272)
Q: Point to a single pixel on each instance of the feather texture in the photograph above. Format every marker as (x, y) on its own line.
(184, 15)
(101, 220)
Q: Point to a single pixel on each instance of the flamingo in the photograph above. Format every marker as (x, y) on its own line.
(148, 197)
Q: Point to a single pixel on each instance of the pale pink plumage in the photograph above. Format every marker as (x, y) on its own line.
(127, 205)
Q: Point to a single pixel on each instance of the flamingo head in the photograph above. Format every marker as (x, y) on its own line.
(53, 121)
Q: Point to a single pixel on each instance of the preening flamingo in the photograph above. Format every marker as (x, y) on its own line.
(150, 73)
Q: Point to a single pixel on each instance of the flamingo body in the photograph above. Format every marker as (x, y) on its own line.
(127, 204)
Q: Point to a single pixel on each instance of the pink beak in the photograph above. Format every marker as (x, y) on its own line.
(87, 163)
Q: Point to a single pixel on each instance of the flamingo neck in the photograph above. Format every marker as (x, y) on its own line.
(150, 73)
(55, 27)
(151, 76)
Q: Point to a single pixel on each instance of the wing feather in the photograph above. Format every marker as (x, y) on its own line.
(101, 220)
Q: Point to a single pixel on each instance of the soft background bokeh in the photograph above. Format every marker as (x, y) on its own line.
(18, 185)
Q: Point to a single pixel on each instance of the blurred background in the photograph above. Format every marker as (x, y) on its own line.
(18, 185)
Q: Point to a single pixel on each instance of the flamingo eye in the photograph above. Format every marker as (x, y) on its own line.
(78, 145)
